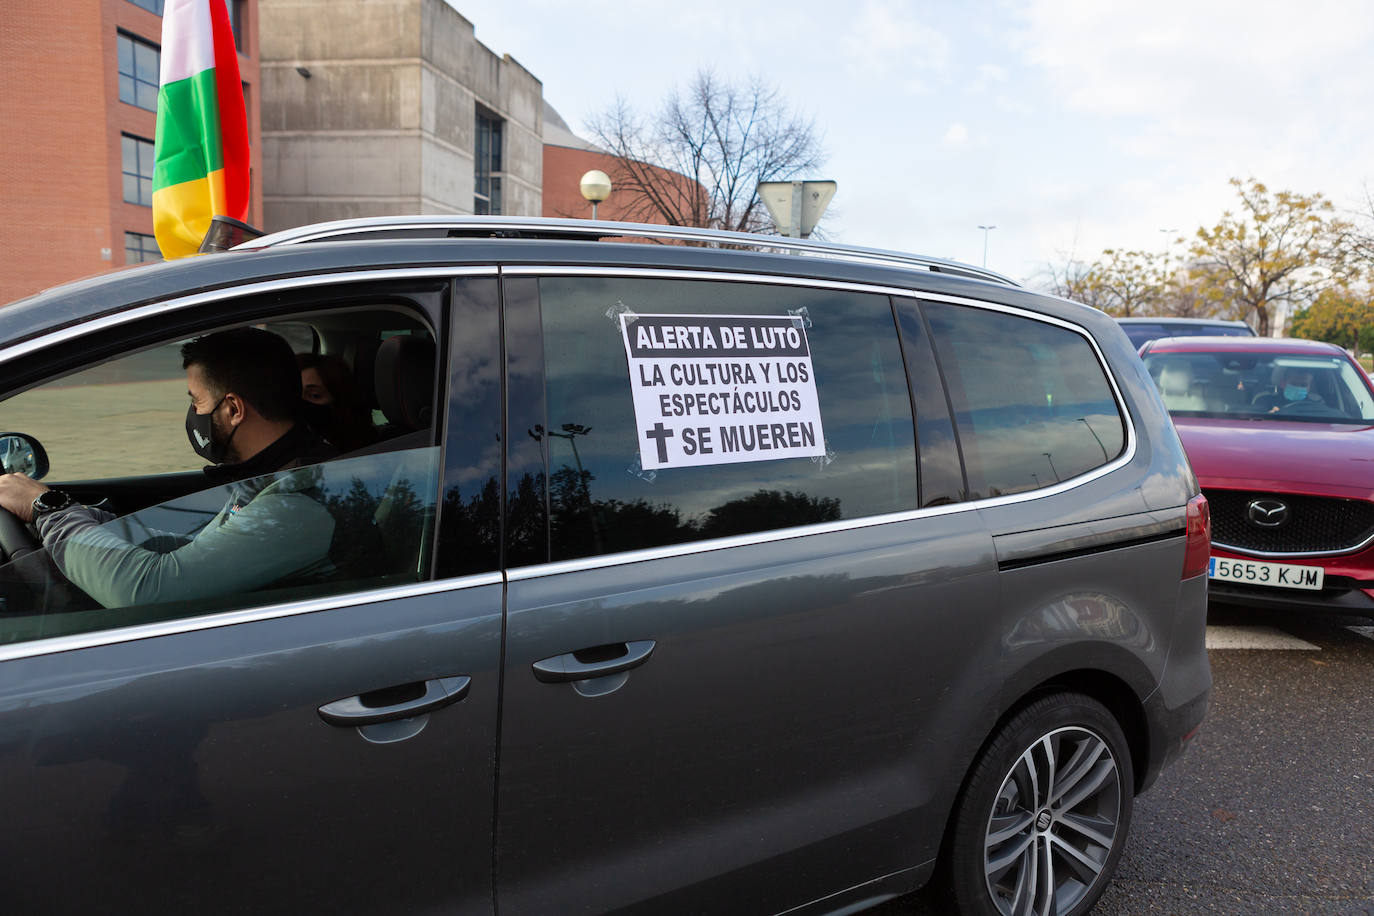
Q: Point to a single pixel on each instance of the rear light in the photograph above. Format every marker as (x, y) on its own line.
(1199, 546)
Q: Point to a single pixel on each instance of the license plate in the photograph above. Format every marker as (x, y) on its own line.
(1276, 575)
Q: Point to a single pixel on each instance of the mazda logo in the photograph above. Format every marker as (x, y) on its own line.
(1267, 513)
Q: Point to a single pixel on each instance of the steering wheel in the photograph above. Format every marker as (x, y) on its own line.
(16, 538)
(1309, 408)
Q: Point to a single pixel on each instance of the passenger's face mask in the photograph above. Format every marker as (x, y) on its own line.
(1294, 392)
(319, 417)
(200, 430)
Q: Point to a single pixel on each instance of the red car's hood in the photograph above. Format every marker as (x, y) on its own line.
(1326, 458)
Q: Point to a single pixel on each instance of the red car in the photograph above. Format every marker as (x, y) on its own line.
(1281, 436)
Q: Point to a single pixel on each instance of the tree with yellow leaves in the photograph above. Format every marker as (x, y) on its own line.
(1120, 283)
(1340, 316)
(1281, 248)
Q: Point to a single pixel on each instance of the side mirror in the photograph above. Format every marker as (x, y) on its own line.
(20, 453)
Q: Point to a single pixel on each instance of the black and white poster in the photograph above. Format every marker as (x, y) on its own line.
(721, 389)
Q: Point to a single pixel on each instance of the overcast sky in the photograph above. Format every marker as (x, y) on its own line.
(1068, 124)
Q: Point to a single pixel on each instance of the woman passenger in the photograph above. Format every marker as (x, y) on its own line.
(332, 406)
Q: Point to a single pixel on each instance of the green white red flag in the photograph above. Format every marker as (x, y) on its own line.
(201, 155)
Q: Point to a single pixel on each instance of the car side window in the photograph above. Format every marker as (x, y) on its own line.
(347, 525)
(1032, 404)
(679, 410)
(156, 534)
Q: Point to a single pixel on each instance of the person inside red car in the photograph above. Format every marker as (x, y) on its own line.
(1292, 385)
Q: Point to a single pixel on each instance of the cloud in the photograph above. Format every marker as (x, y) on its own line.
(957, 135)
(1192, 61)
(886, 38)
(988, 75)
(1203, 90)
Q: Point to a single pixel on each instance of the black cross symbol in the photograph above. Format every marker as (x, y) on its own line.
(660, 434)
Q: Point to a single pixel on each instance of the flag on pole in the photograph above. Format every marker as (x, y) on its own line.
(201, 155)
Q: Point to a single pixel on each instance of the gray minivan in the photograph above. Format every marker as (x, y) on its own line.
(681, 577)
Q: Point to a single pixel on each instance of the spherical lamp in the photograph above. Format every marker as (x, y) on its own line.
(595, 187)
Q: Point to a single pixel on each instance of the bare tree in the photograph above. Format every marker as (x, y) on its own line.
(1120, 283)
(699, 159)
(1074, 280)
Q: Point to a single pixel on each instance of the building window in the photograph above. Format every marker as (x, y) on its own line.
(236, 22)
(138, 169)
(152, 6)
(138, 72)
(487, 167)
(139, 248)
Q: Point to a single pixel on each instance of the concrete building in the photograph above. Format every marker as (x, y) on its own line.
(377, 107)
(79, 106)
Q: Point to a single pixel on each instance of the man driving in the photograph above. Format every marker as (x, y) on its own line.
(1293, 384)
(245, 393)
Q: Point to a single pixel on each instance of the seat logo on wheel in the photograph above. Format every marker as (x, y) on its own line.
(1267, 513)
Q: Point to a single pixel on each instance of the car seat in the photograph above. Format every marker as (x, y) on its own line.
(1176, 385)
(404, 382)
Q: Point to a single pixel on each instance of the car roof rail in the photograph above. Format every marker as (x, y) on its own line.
(534, 227)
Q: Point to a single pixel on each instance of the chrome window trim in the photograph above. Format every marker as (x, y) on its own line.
(152, 310)
(136, 632)
(764, 537)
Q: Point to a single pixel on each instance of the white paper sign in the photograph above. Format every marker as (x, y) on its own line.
(721, 389)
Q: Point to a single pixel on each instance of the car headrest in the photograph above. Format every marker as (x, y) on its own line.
(1175, 378)
(404, 381)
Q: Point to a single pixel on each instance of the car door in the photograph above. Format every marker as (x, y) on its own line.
(1055, 466)
(321, 747)
(724, 678)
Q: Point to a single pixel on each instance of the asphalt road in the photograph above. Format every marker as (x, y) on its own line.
(1271, 811)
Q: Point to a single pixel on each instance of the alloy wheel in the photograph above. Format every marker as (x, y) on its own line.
(1053, 825)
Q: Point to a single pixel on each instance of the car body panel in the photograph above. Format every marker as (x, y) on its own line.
(1329, 459)
(733, 762)
(177, 766)
(796, 737)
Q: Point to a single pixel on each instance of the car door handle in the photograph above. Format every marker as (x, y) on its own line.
(598, 661)
(363, 710)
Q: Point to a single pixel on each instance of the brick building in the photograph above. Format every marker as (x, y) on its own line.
(567, 157)
(79, 104)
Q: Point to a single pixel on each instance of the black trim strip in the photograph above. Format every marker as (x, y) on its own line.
(1021, 563)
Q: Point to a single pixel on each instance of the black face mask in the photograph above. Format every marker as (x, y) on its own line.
(319, 417)
(200, 430)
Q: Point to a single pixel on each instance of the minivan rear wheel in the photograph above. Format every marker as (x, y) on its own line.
(1042, 818)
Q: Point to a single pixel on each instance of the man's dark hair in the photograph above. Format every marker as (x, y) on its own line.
(256, 365)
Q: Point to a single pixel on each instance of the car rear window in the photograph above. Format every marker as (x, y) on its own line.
(1032, 404)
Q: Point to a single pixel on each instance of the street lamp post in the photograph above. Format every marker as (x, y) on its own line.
(570, 432)
(595, 187)
(986, 230)
(1168, 246)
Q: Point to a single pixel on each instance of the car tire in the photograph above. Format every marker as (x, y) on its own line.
(1052, 789)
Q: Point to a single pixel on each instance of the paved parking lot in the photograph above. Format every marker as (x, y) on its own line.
(1272, 809)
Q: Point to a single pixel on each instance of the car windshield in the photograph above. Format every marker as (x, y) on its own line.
(1142, 333)
(1281, 386)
